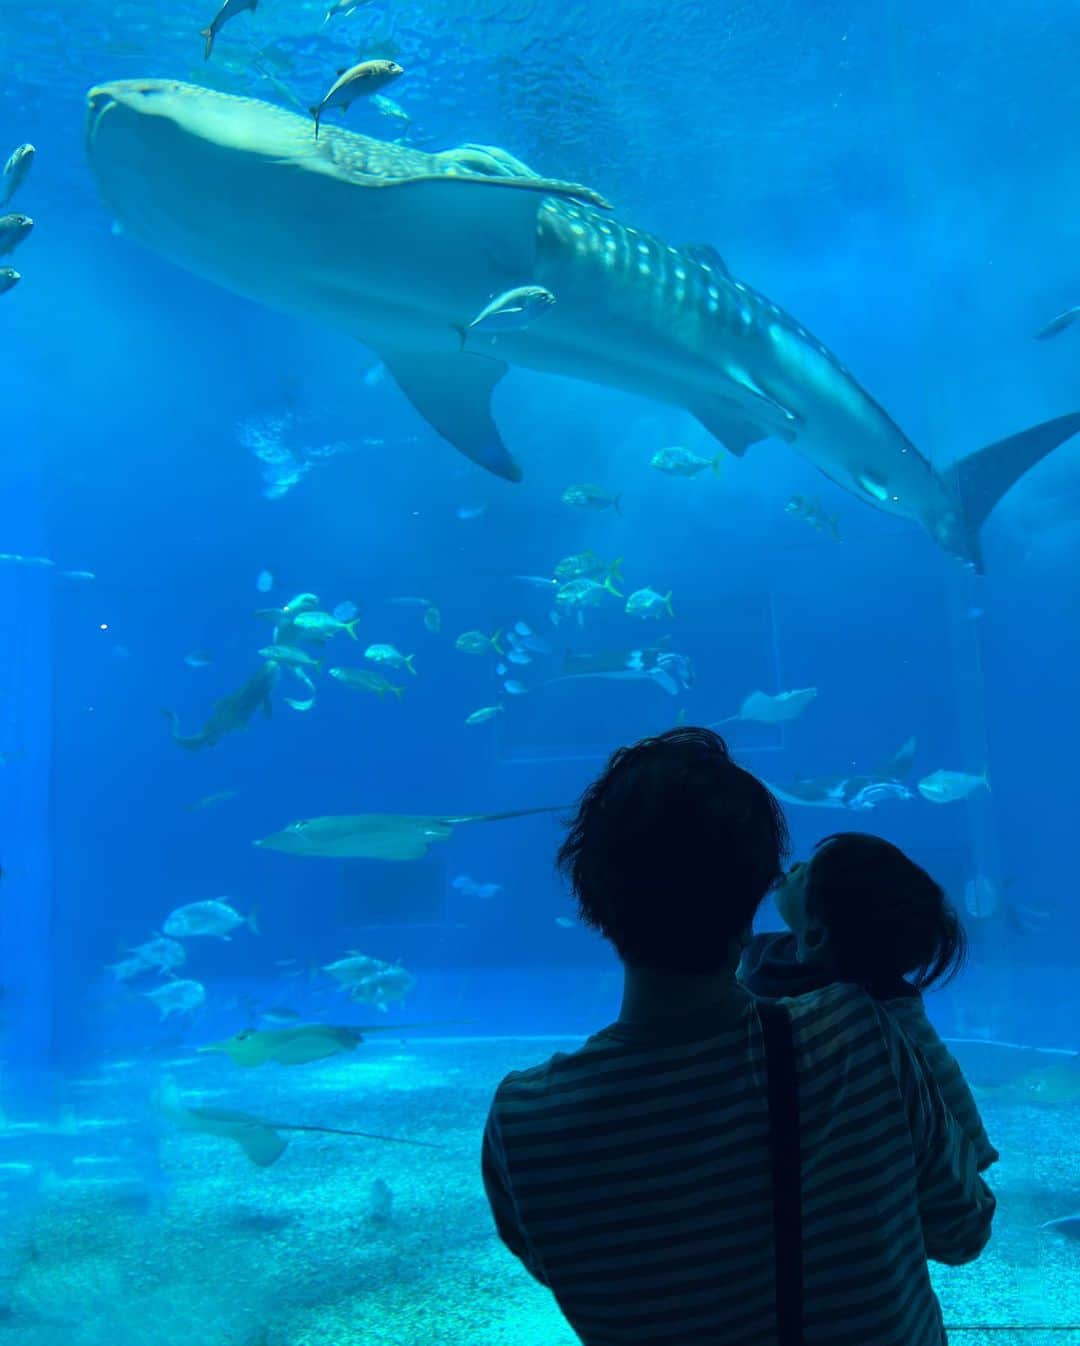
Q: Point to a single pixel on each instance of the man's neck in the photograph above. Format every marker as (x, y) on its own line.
(650, 996)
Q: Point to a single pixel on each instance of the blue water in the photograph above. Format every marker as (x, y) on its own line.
(903, 181)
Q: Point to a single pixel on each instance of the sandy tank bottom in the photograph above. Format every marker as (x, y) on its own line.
(119, 1230)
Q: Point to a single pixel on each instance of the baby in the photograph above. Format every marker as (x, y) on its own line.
(861, 911)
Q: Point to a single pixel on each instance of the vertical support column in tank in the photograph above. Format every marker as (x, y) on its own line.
(994, 970)
(26, 979)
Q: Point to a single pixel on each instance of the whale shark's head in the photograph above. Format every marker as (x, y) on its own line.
(157, 150)
(140, 132)
(126, 144)
(135, 122)
(190, 172)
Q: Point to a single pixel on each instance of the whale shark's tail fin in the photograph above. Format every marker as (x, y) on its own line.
(983, 477)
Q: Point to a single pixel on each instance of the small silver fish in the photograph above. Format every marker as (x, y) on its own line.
(363, 680)
(13, 229)
(484, 713)
(583, 593)
(15, 171)
(391, 656)
(587, 496)
(646, 603)
(679, 461)
(389, 108)
(524, 637)
(354, 968)
(586, 565)
(160, 953)
(812, 510)
(1058, 324)
(177, 997)
(290, 656)
(9, 278)
(320, 626)
(208, 801)
(228, 10)
(475, 642)
(343, 8)
(946, 787)
(305, 703)
(353, 82)
(214, 916)
(511, 311)
(127, 969)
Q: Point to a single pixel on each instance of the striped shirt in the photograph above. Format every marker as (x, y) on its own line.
(910, 1014)
(633, 1178)
(770, 967)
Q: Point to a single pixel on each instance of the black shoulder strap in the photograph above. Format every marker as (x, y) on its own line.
(784, 1141)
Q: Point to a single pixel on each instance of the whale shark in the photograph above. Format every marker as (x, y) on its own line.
(401, 248)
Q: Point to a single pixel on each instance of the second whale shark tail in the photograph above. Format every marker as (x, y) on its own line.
(983, 477)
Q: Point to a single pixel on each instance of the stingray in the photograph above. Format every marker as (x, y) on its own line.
(765, 709)
(300, 1043)
(378, 836)
(1068, 1225)
(259, 1139)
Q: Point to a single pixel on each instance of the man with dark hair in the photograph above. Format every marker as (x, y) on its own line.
(634, 1176)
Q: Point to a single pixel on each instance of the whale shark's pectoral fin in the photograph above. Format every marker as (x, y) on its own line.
(453, 394)
(730, 429)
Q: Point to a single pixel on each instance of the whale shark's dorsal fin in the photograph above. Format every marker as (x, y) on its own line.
(706, 254)
(453, 394)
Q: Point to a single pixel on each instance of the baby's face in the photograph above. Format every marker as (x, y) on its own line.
(790, 899)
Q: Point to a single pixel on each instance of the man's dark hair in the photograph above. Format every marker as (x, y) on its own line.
(672, 850)
(885, 916)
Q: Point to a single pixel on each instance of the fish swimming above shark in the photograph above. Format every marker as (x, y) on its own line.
(401, 248)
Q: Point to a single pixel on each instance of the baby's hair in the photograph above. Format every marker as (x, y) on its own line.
(884, 914)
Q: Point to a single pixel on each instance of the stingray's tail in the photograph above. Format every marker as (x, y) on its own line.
(343, 1131)
(986, 475)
